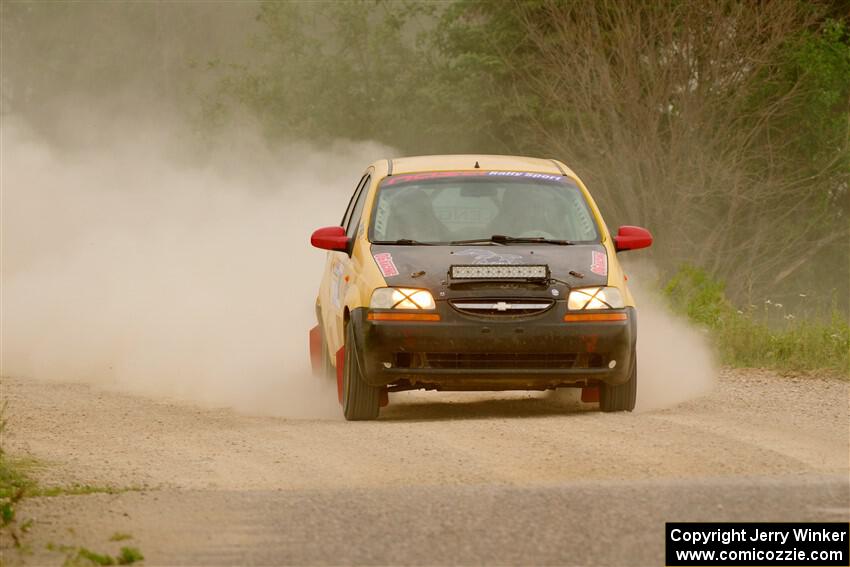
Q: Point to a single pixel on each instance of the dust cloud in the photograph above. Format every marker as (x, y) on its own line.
(138, 264)
(676, 362)
(142, 264)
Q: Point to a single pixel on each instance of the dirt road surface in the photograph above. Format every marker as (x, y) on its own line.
(440, 479)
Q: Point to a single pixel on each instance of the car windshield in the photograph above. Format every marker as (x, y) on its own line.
(446, 207)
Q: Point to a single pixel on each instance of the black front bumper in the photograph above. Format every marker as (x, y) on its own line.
(462, 352)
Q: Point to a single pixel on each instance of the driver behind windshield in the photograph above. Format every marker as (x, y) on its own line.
(450, 209)
(412, 217)
(522, 216)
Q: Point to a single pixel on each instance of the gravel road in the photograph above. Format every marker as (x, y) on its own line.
(440, 479)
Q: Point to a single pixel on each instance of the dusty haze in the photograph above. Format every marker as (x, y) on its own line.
(137, 266)
(143, 255)
(141, 264)
(675, 360)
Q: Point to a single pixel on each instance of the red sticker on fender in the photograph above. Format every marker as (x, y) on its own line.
(386, 264)
(599, 263)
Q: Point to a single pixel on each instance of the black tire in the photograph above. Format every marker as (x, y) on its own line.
(620, 397)
(360, 401)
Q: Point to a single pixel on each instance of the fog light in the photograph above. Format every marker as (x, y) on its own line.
(388, 365)
(612, 364)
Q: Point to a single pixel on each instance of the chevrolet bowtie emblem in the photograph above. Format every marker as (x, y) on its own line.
(501, 306)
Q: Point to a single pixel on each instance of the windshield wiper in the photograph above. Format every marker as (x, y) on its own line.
(405, 242)
(476, 241)
(502, 239)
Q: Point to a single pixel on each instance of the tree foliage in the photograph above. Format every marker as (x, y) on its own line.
(721, 126)
(332, 70)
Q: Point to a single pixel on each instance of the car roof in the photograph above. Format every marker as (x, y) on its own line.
(468, 162)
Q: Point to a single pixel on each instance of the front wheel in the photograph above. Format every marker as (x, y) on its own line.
(620, 397)
(360, 401)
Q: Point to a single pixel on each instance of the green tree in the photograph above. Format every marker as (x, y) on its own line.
(723, 126)
(326, 71)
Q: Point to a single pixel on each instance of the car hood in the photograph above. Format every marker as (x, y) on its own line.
(427, 267)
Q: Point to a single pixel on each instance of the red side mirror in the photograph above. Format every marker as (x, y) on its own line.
(632, 238)
(330, 238)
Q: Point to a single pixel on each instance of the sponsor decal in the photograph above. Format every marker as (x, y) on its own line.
(386, 264)
(489, 257)
(526, 175)
(599, 263)
(396, 179)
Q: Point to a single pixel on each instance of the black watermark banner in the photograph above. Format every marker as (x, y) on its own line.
(762, 544)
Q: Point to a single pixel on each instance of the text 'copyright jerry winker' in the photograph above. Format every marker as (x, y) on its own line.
(744, 544)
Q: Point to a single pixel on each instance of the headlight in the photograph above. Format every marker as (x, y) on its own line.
(595, 298)
(401, 298)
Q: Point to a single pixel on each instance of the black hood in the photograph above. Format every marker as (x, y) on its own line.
(427, 267)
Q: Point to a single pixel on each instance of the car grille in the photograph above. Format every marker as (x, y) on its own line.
(498, 360)
(502, 308)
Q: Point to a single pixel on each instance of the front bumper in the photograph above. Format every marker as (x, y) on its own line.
(462, 352)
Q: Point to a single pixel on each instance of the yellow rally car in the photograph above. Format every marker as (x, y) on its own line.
(474, 272)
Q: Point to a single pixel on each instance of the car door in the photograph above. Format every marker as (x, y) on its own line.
(342, 270)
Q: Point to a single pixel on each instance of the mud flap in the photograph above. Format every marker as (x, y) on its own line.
(340, 365)
(385, 397)
(316, 350)
(590, 394)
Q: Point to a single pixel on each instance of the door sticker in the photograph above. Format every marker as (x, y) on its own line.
(336, 288)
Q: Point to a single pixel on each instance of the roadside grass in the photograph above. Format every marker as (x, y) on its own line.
(744, 338)
(78, 489)
(17, 484)
(84, 557)
(14, 483)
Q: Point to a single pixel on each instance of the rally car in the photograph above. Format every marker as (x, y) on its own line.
(474, 272)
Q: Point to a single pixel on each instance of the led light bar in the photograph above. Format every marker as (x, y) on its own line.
(500, 272)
